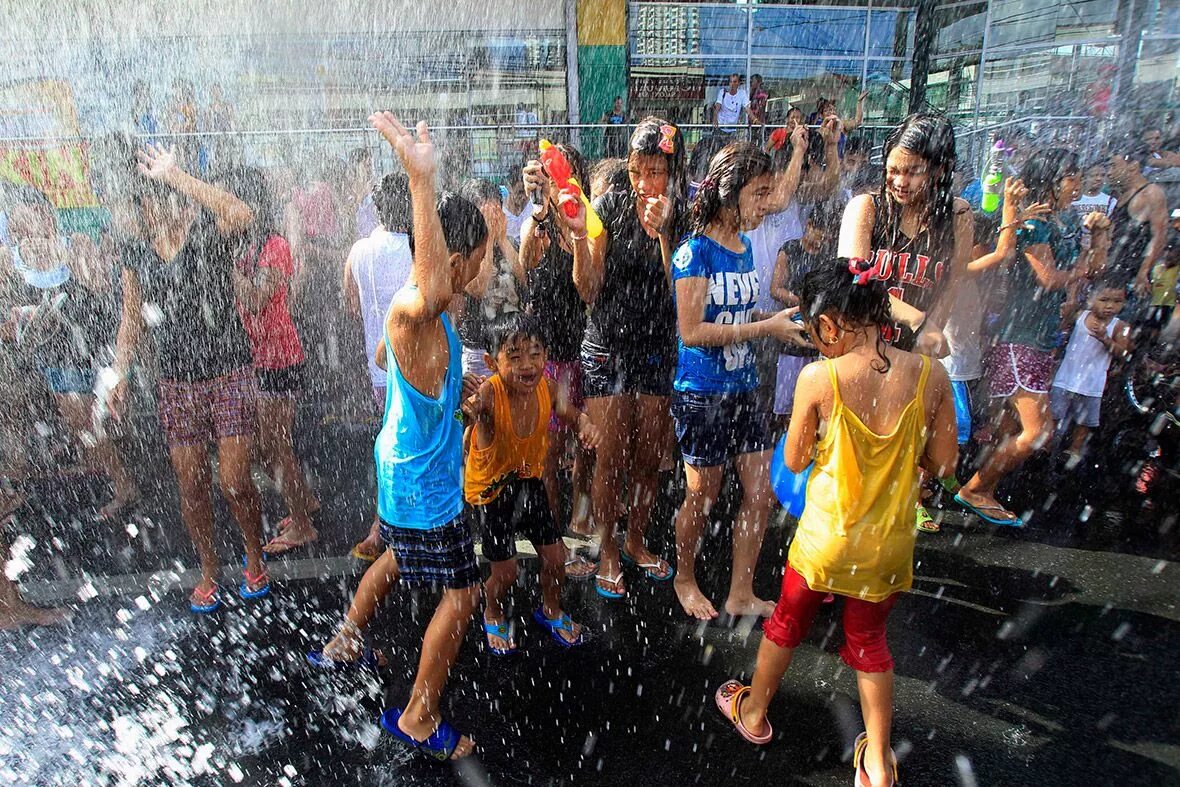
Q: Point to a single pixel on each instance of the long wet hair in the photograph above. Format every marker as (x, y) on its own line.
(1043, 172)
(833, 289)
(250, 186)
(391, 198)
(932, 138)
(645, 141)
(730, 170)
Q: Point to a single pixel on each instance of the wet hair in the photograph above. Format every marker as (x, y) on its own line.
(822, 103)
(1107, 281)
(932, 138)
(832, 290)
(703, 153)
(577, 164)
(463, 226)
(481, 190)
(730, 170)
(1043, 171)
(391, 198)
(511, 325)
(827, 214)
(249, 185)
(1135, 152)
(645, 141)
(613, 172)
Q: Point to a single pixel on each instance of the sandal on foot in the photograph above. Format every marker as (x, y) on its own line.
(502, 631)
(925, 522)
(558, 625)
(203, 602)
(653, 571)
(360, 554)
(613, 595)
(440, 745)
(589, 567)
(281, 544)
(370, 659)
(728, 698)
(858, 754)
(979, 511)
(260, 581)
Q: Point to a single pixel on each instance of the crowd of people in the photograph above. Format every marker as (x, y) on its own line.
(687, 310)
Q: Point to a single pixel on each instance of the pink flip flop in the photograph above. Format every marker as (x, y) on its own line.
(858, 755)
(728, 698)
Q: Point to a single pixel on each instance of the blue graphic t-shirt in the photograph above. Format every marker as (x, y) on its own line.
(732, 294)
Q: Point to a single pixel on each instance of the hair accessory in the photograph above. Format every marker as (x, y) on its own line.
(707, 183)
(862, 269)
(668, 139)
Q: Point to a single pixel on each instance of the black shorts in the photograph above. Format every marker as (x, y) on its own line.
(280, 382)
(438, 557)
(714, 428)
(522, 507)
(606, 373)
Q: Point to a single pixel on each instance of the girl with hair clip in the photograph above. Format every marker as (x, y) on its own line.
(884, 413)
(628, 353)
(1020, 366)
(714, 402)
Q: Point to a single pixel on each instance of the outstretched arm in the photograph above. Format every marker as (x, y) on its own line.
(159, 164)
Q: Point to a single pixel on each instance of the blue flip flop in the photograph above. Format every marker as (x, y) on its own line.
(979, 512)
(440, 745)
(250, 595)
(368, 660)
(647, 567)
(502, 631)
(608, 594)
(558, 625)
(211, 605)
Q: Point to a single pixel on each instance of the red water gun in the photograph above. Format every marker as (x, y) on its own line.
(558, 168)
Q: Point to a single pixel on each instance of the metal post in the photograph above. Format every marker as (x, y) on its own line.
(572, 81)
(987, 26)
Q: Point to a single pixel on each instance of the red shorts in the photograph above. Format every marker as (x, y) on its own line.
(199, 411)
(864, 649)
(568, 376)
(1011, 367)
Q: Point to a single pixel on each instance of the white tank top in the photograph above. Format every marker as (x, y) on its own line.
(1083, 369)
(765, 241)
(381, 267)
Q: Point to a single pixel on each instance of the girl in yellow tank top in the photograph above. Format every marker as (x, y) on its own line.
(869, 416)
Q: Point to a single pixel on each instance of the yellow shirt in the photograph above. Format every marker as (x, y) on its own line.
(1163, 284)
(856, 535)
(510, 456)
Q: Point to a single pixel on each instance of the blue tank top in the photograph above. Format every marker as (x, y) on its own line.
(419, 450)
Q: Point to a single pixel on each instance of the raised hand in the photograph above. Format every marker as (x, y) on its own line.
(577, 222)
(655, 214)
(799, 138)
(416, 155)
(830, 129)
(534, 178)
(156, 162)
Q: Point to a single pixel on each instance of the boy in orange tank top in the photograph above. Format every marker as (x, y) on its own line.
(502, 483)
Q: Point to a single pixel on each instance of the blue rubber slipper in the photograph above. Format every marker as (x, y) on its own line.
(558, 625)
(609, 594)
(440, 745)
(211, 603)
(369, 660)
(251, 595)
(500, 630)
(649, 568)
(979, 512)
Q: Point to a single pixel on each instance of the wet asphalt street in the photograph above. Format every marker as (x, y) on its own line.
(1044, 657)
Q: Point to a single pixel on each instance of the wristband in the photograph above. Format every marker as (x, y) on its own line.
(577, 237)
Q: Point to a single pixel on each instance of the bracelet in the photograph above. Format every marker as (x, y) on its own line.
(1014, 224)
(576, 238)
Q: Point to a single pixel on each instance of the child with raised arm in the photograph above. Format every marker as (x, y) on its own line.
(419, 451)
(506, 456)
(884, 413)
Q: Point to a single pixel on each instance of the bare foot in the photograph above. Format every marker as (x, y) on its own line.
(694, 602)
(610, 574)
(370, 549)
(495, 640)
(420, 732)
(346, 647)
(739, 607)
(16, 614)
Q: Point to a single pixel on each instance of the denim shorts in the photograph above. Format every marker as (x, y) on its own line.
(69, 381)
(714, 428)
(606, 373)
